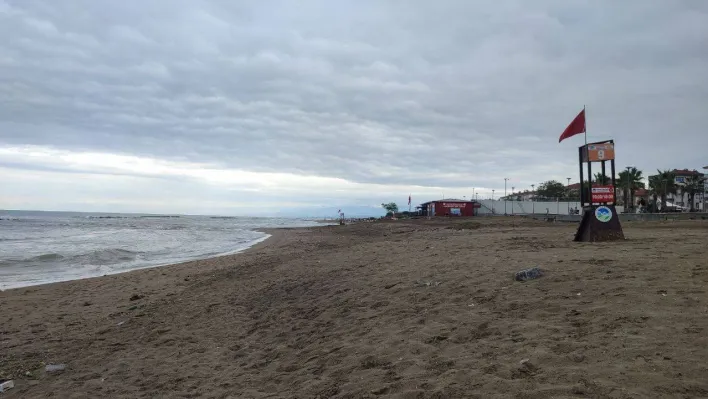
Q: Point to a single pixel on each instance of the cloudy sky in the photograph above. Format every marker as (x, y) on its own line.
(250, 107)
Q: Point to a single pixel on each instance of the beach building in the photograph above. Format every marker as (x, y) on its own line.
(681, 198)
(449, 207)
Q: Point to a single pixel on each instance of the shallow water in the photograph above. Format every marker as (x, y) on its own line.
(43, 247)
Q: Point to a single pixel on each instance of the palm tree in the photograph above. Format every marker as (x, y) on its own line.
(622, 185)
(633, 180)
(662, 184)
(694, 184)
(655, 187)
(602, 179)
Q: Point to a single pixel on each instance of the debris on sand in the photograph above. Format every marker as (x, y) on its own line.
(525, 366)
(528, 274)
(5, 385)
(420, 283)
(53, 368)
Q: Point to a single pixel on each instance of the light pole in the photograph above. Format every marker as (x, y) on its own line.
(568, 191)
(533, 195)
(512, 200)
(505, 180)
(628, 202)
(492, 201)
(473, 193)
(705, 191)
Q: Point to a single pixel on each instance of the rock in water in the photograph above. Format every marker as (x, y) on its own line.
(528, 274)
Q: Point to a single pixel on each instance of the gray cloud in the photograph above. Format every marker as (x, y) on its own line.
(456, 94)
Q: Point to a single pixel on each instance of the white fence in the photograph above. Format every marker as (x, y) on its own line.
(490, 207)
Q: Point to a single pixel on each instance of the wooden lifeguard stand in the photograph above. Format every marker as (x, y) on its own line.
(600, 221)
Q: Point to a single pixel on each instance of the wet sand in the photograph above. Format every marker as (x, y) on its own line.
(405, 309)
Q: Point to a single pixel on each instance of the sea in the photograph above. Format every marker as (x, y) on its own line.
(44, 247)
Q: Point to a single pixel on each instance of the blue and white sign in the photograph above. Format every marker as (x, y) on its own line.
(603, 214)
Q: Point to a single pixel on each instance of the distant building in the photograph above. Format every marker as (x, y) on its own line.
(641, 197)
(448, 207)
(681, 198)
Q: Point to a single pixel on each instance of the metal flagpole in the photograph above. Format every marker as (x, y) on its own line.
(585, 124)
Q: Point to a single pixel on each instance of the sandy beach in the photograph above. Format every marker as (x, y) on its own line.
(405, 309)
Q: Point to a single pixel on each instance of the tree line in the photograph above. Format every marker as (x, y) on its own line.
(627, 183)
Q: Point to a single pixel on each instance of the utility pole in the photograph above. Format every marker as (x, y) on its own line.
(512, 200)
(492, 201)
(568, 191)
(505, 180)
(533, 198)
(628, 203)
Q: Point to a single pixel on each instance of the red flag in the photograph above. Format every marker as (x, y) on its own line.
(577, 126)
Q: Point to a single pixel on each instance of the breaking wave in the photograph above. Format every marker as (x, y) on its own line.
(99, 257)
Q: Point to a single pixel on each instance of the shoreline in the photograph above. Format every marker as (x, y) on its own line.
(401, 309)
(270, 233)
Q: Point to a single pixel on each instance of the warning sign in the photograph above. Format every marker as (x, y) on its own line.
(600, 152)
(603, 194)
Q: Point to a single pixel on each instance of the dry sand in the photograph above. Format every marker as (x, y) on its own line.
(393, 309)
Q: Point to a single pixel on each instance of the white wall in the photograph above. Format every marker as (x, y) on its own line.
(529, 207)
(682, 200)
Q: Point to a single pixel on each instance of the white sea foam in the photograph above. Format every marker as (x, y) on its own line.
(45, 247)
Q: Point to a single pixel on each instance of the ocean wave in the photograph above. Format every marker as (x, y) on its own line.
(51, 257)
(98, 257)
(107, 256)
(43, 258)
(57, 247)
(177, 227)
